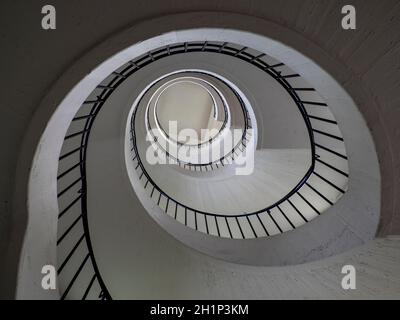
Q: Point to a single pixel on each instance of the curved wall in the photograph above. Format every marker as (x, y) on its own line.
(51, 101)
(327, 235)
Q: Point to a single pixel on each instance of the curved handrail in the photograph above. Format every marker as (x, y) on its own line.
(209, 165)
(107, 87)
(253, 59)
(201, 143)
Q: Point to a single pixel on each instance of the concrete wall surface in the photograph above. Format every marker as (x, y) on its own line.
(366, 62)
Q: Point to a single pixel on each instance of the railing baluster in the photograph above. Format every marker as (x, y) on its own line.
(320, 194)
(69, 229)
(308, 202)
(322, 104)
(89, 287)
(82, 117)
(262, 224)
(185, 216)
(328, 182)
(240, 228)
(332, 167)
(205, 219)
(251, 226)
(70, 254)
(74, 278)
(274, 66)
(229, 228)
(216, 223)
(297, 210)
(328, 134)
(69, 187)
(322, 119)
(240, 51)
(75, 134)
(69, 206)
(272, 218)
(69, 170)
(331, 151)
(70, 153)
(287, 219)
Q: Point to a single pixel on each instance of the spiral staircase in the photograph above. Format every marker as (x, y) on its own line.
(294, 180)
(280, 192)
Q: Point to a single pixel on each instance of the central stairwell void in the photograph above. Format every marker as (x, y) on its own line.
(274, 159)
(287, 188)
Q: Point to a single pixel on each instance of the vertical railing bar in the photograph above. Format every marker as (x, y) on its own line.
(223, 46)
(272, 218)
(69, 153)
(257, 57)
(332, 167)
(70, 254)
(308, 202)
(328, 182)
(159, 199)
(314, 103)
(229, 228)
(288, 220)
(322, 119)
(68, 170)
(240, 228)
(252, 229)
(205, 219)
(262, 224)
(331, 151)
(240, 51)
(69, 206)
(319, 193)
(89, 287)
(69, 229)
(75, 276)
(166, 207)
(328, 134)
(216, 223)
(69, 187)
(297, 210)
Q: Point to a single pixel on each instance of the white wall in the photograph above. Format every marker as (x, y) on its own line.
(33, 90)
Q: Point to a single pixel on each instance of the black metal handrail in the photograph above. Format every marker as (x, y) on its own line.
(282, 79)
(212, 164)
(106, 88)
(223, 126)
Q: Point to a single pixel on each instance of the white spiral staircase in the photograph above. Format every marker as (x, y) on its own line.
(275, 215)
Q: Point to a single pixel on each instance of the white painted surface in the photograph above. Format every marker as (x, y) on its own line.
(43, 248)
(189, 105)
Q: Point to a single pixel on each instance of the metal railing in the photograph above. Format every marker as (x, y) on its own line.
(247, 220)
(211, 223)
(201, 144)
(222, 161)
